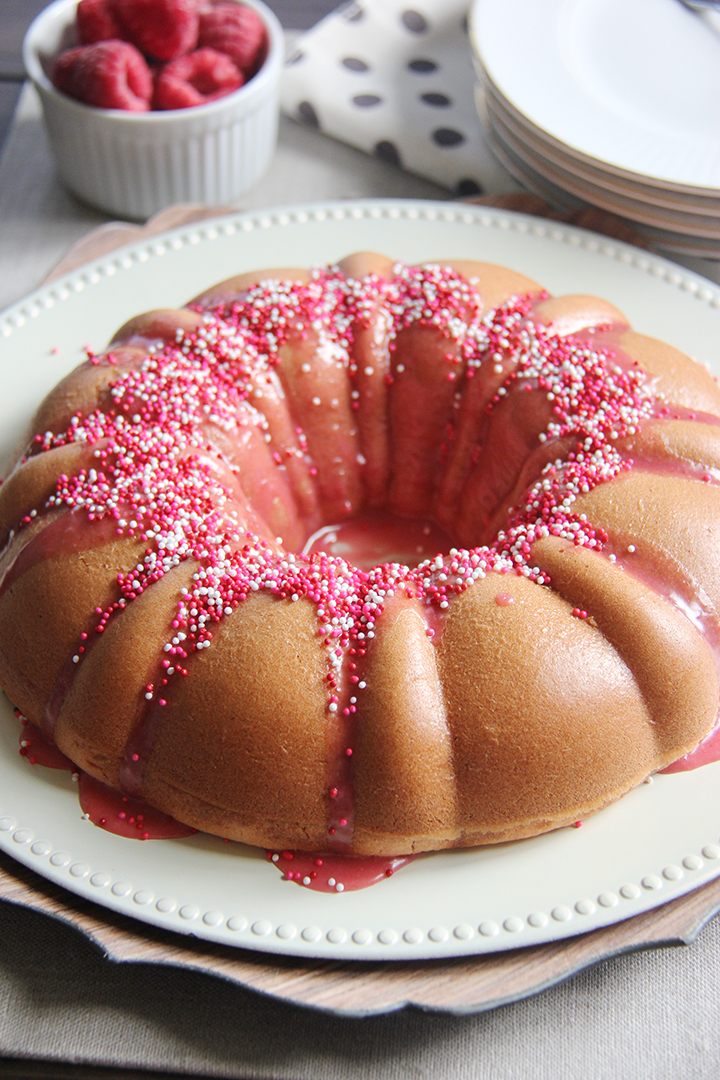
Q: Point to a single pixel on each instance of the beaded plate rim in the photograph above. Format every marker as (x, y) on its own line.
(382, 923)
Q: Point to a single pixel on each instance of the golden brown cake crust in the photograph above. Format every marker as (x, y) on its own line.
(563, 649)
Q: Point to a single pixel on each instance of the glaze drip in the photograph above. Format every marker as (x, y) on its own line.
(105, 807)
(333, 873)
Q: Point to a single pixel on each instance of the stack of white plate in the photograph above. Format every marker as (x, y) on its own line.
(615, 103)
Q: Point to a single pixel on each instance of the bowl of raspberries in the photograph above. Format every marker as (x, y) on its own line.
(153, 102)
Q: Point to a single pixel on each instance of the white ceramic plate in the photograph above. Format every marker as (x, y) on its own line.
(697, 201)
(596, 193)
(696, 226)
(560, 197)
(660, 841)
(635, 86)
(667, 206)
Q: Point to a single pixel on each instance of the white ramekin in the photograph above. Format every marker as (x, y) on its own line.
(134, 164)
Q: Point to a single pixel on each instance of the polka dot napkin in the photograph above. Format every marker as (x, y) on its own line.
(397, 81)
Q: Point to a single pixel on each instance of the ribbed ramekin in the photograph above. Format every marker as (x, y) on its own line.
(134, 164)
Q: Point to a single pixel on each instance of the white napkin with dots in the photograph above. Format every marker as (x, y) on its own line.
(397, 81)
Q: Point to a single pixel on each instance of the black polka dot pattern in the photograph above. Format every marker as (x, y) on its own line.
(438, 101)
(447, 137)
(422, 66)
(307, 114)
(414, 22)
(354, 63)
(388, 151)
(353, 13)
(396, 80)
(468, 187)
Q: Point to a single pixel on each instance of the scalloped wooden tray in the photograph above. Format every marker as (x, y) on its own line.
(457, 985)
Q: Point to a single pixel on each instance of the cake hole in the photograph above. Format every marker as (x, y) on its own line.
(376, 537)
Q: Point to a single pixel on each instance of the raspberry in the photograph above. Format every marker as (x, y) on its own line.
(162, 29)
(96, 22)
(202, 76)
(236, 30)
(110, 74)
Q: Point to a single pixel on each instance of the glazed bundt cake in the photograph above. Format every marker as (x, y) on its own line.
(371, 559)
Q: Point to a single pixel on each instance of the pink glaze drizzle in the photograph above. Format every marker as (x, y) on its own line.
(153, 480)
(125, 815)
(66, 533)
(39, 749)
(504, 599)
(104, 806)
(379, 537)
(705, 753)
(335, 873)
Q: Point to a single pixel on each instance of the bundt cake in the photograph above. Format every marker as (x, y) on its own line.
(372, 559)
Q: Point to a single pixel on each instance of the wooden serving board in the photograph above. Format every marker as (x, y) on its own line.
(355, 987)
